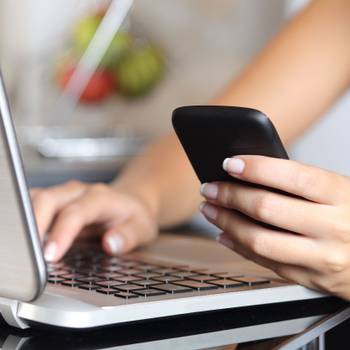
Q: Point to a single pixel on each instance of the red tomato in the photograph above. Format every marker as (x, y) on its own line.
(100, 86)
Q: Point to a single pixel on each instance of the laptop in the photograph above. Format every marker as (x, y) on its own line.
(175, 275)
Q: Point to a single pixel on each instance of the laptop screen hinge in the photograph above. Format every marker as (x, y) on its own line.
(8, 311)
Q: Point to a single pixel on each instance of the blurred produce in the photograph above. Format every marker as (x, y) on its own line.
(139, 70)
(100, 86)
(84, 31)
(131, 66)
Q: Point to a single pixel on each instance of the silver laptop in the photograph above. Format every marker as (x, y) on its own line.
(175, 275)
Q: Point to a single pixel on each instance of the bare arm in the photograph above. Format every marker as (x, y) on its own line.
(294, 80)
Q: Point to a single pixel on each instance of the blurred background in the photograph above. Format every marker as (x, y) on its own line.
(166, 53)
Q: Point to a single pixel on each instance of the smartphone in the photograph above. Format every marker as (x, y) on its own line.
(209, 134)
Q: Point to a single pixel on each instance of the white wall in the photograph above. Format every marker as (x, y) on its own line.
(327, 144)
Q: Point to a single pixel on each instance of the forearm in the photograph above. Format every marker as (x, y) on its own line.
(294, 80)
(163, 177)
(300, 74)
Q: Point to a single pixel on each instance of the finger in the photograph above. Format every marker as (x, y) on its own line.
(47, 202)
(226, 240)
(305, 181)
(289, 213)
(297, 274)
(126, 237)
(300, 275)
(279, 246)
(96, 205)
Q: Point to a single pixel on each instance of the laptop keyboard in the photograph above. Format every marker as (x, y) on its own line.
(126, 278)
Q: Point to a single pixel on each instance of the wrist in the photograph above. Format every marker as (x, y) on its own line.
(144, 193)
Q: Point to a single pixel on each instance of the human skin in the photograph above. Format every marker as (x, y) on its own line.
(294, 80)
(309, 237)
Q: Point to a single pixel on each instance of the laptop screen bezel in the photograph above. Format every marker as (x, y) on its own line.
(33, 244)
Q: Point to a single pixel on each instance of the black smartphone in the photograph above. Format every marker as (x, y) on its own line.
(209, 134)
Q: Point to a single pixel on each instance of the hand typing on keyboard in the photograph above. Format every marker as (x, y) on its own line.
(124, 220)
(309, 242)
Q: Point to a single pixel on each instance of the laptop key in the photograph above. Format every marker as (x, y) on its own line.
(71, 283)
(112, 268)
(172, 288)
(56, 273)
(90, 279)
(88, 286)
(166, 279)
(251, 281)
(109, 283)
(225, 275)
(126, 279)
(200, 286)
(126, 295)
(130, 271)
(106, 290)
(128, 287)
(146, 283)
(56, 279)
(202, 278)
(147, 275)
(108, 275)
(164, 270)
(149, 292)
(226, 283)
(183, 274)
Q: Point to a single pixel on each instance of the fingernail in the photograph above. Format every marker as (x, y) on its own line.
(209, 211)
(50, 251)
(225, 241)
(210, 190)
(233, 165)
(115, 243)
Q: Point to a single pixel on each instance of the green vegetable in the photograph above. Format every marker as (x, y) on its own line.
(84, 32)
(139, 70)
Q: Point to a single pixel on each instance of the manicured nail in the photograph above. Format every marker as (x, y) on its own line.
(50, 251)
(115, 243)
(233, 165)
(210, 190)
(209, 211)
(225, 241)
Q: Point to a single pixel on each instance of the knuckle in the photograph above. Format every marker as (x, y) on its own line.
(303, 180)
(256, 243)
(222, 220)
(341, 229)
(336, 260)
(262, 207)
(225, 195)
(43, 196)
